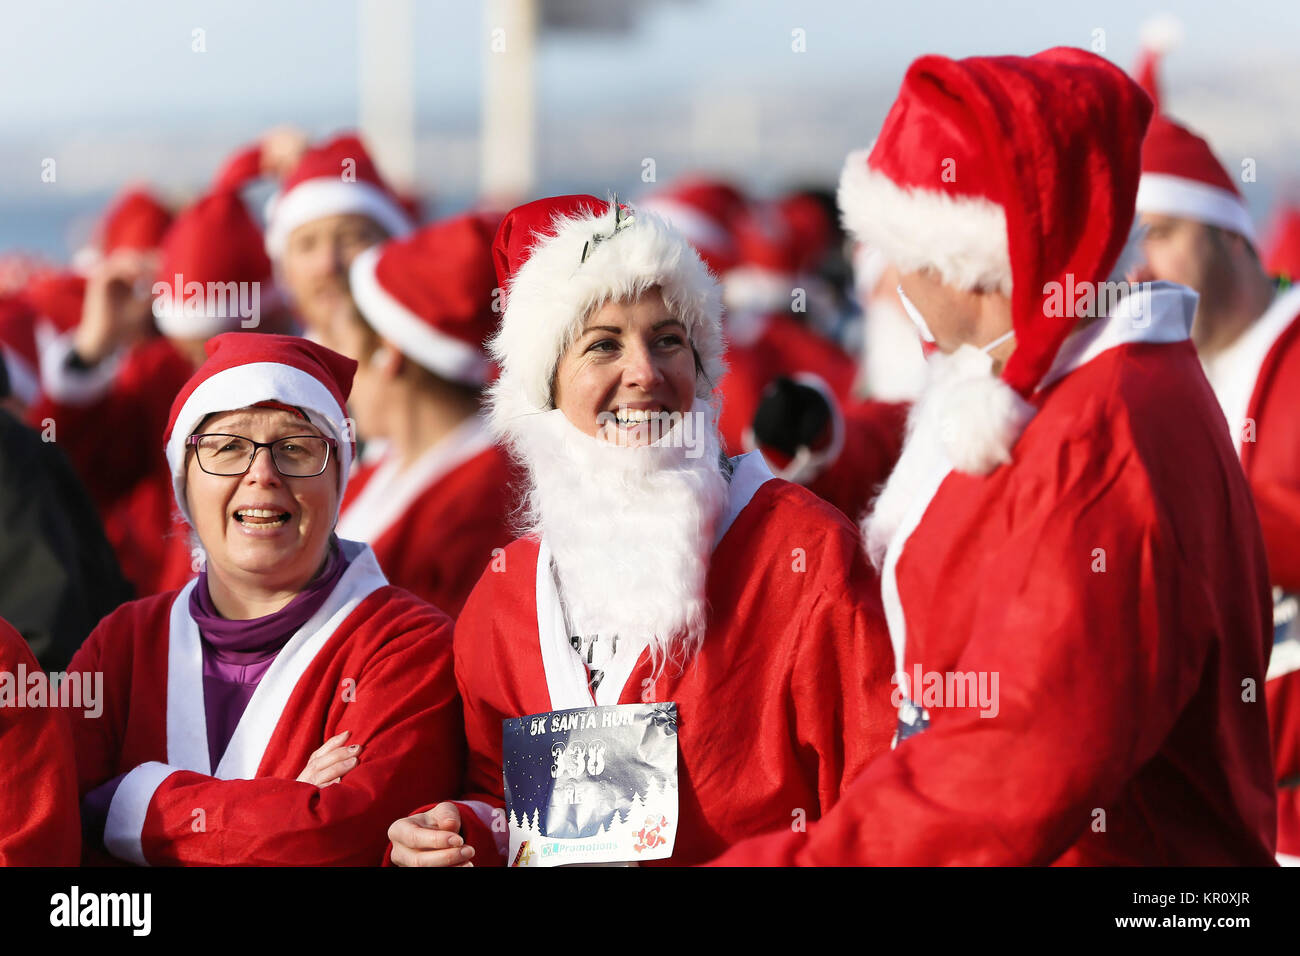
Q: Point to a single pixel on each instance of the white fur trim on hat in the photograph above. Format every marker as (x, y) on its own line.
(1165, 195)
(318, 198)
(553, 292)
(963, 238)
(436, 351)
(246, 385)
(752, 289)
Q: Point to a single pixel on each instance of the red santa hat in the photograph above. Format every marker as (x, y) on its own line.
(57, 298)
(212, 264)
(1158, 36)
(431, 295)
(1005, 173)
(704, 210)
(245, 369)
(560, 258)
(769, 256)
(1181, 177)
(334, 179)
(1281, 252)
(135, 220)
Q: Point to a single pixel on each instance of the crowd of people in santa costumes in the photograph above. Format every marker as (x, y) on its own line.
(1005, 573)
(1198, 232)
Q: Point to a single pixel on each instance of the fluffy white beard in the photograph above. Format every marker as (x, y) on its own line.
(892, 363)
(630, 528)
(965, 418)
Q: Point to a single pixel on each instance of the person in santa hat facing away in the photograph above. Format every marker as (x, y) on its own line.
(1072, 570)
(1281, 244)
(331, 205)
(289, 692)
(435, 507)
(107, 383)
(39, 823)
(686, 576)
(1247, 331)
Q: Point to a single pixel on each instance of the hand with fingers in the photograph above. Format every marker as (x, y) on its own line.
(282, 148)
(328, 764)
(118, 306)
(431, 838)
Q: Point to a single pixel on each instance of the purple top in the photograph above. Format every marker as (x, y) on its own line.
(236, 654)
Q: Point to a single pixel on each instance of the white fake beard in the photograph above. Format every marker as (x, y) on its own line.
(965, 419)
(892, 363)
(630, 528)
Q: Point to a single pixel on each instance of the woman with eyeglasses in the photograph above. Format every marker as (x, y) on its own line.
(281, 707)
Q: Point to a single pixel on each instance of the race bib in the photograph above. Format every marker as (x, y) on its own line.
(591, 785)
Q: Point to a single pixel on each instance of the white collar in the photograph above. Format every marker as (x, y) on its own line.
(1234, 372)
(187, 725)
(392, 489)
(1158, 312)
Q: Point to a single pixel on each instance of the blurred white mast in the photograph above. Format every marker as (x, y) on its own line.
(507, 164)
(386, 84)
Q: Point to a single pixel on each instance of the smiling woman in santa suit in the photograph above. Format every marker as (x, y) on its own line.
(657, 572)
(284, 706)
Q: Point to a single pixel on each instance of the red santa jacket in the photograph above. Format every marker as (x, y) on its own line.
(374, 660)
(435, 525)
(39, 821)
(1112, 577)
(786, 701)
(1257, 380)
(760, 349)
(110, 421)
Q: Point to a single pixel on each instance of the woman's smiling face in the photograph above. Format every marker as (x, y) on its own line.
(261, 523)
(632, 361)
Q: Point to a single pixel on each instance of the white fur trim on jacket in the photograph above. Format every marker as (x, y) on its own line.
(318, 198)
(963, 238)
(553, 292)
(1166, 195)
(128, 809)
(74, 386)
(246, 385)
(24, 381)
(436, 351)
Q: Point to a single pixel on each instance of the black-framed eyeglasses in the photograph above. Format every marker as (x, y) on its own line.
(294, 456)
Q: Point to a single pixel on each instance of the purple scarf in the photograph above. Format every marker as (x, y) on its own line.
(236, 654)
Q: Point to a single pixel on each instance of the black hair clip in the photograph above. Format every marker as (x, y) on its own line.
(622, 219)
